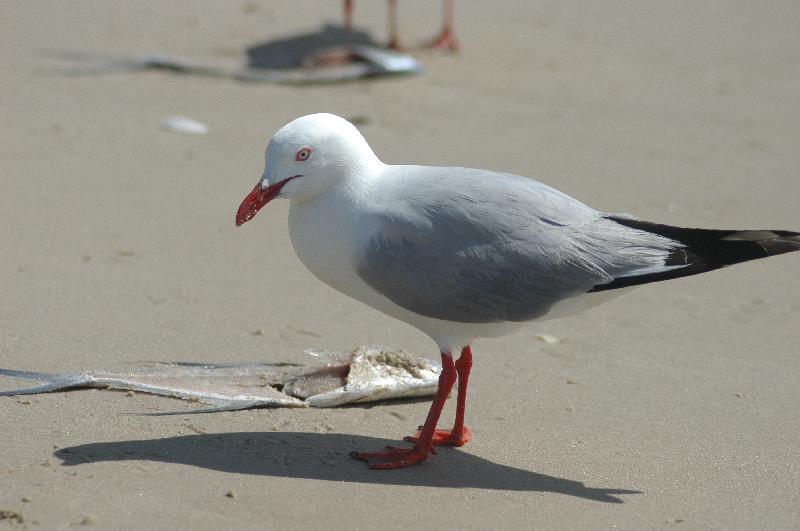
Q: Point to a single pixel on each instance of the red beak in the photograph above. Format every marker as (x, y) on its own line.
(257, 198)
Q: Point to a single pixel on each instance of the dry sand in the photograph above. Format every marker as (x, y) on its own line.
(118, 245)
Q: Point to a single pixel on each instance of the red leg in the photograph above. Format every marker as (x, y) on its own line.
(446, 39)
(460, 434)
(348, 15)
(401, 457)
(394, 38)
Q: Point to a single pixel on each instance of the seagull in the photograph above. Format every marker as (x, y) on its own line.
(463, 253)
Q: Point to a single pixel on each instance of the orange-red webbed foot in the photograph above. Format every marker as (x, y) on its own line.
(444, 437)
(394, 457)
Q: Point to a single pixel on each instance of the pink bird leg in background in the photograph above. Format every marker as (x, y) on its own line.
(446, 40)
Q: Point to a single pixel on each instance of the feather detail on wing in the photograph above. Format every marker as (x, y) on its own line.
(479, 247)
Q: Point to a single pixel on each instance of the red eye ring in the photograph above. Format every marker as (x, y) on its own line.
(303, 154)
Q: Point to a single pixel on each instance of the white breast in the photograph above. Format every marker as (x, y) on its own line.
(324, 233)
(328, 233)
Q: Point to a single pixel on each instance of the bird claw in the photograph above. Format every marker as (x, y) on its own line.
(445, 41)
(444, 437)
(394, 457)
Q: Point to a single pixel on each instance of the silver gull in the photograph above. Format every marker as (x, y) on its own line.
(464, 253)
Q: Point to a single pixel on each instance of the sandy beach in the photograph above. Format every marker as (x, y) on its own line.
(676, 406)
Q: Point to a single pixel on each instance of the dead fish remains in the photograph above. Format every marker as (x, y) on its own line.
(366, 374)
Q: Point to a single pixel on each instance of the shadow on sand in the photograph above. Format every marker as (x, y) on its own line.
(325, 457)
(290, 52)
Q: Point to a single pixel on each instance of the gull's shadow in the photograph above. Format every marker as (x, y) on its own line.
(325, 457)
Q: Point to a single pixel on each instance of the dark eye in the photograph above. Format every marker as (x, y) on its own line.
(303, 154)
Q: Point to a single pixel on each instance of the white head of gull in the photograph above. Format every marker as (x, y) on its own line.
(462, 253)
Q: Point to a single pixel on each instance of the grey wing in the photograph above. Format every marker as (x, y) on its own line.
(492, 248)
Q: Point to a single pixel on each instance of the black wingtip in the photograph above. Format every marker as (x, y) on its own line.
(706, 249)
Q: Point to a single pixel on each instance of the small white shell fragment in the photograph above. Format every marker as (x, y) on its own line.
(184, 125)
(547, 338)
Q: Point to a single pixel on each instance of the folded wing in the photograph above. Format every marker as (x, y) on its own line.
(479, 247)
